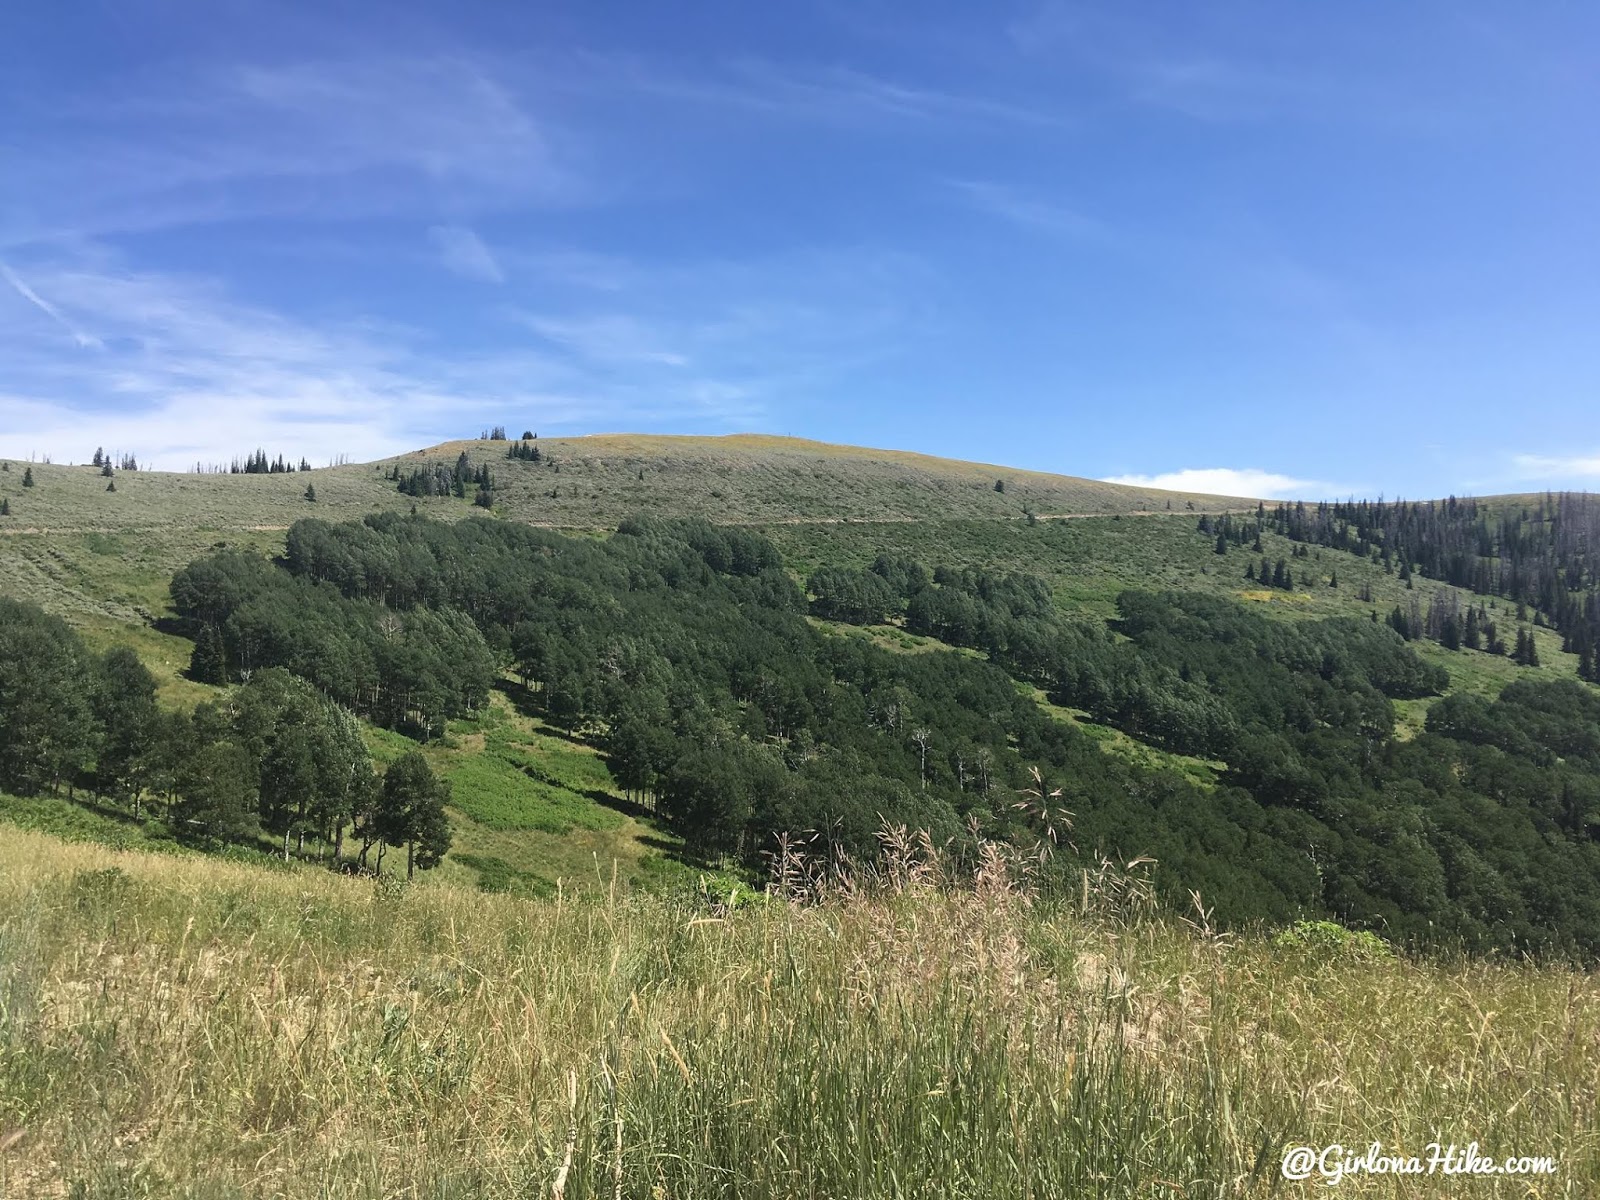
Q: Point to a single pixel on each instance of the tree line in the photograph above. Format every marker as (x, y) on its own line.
(1541, 555)
(273, 755)
(683, 650)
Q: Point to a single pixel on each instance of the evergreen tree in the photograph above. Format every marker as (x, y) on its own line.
(99, 456)
(411, 811)
(1333, 580)
(5, 507)
(106, 470)
(1222, 544)
(112, 486)
(999, 485)
(311, 492)
(208, 663)
(27, 477)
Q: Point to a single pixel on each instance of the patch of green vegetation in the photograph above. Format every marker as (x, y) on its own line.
(499, 877)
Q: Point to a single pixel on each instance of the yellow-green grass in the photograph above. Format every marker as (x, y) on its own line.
(183, 1026)
(536, 809)
(745, 478)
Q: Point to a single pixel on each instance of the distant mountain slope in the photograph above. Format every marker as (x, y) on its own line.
(589, 482)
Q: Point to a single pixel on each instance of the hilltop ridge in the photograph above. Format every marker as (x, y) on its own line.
(595, 481)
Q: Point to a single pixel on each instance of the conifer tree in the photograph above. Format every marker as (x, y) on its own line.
(99, 456)
(311, 492)
(112, 486)
(208, 663)
(5, 507)
(27, 477)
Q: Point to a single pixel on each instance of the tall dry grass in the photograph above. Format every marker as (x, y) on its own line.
(188, 1027)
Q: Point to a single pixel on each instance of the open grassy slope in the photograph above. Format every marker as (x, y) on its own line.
(103, 560)
(596, 480)
(188, 1027)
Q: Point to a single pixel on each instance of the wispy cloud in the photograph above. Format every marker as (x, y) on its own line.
(1572, 466)
(608, 339)
(313, 140)
(1232, 481)
(87, 341)
(1172, 64)
(1029, 212)
(833, 94)
(463, 251)
(187, 372)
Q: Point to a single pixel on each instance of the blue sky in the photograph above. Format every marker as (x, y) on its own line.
(1303, 249)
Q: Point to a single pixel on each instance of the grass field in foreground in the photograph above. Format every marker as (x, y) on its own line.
(183, 1026)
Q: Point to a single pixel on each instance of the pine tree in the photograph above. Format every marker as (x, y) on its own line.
(999, 485)
(5, 507)
(112, 486)
(1333, 580)
(1222, 543)
(105, 470)
(99, 456)
(1250, 571)
(27, 477)
(311, 492)
(208, 663)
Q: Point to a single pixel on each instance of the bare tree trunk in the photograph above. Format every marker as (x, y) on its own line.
(410, 859)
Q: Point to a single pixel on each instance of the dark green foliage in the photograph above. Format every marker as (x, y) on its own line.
(858, 597)
(525, 450)
(311, 492)
(209, 662)
(124, 705)
(683, 650)
(5, 507)
(27, 477)
(257, 464)
(410, 811)
(47, 727)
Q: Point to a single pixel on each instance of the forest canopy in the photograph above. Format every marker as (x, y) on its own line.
(684, 650)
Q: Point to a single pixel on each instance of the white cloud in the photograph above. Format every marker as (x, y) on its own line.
(1539, 466)
(186, 372)
(1230, 481)
(998, 200)
(87, 341)
(369, 136)
(463, 251)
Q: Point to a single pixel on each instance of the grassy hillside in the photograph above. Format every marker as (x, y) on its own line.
(105, 557)
(103, 560)
(183, 1026)
(740, 478)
